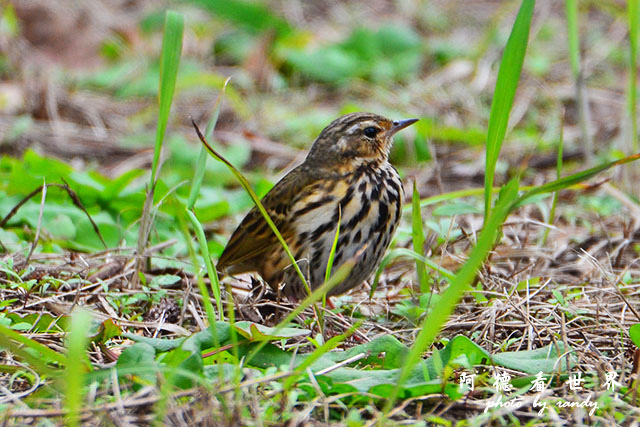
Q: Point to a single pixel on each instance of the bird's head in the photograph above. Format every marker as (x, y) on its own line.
(356, 138)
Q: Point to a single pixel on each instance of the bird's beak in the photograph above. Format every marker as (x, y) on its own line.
(398, 125)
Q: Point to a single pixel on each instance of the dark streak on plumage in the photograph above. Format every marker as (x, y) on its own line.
(375, 191)
(364, 210)
(383, 216)
(314, 205)
(321, 230)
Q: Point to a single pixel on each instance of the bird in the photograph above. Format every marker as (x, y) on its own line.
(346, 177)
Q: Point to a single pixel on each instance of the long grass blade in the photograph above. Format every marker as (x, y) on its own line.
(460, 284)
(417, 234)
(554, 202)
(584, 113)
(632, 12)
(571, 7)
(211, 271)
(568, 181)
(506, 85)
(327, 273)
(193, 194)
(202, 159)
(334, 246)
(75, 371)
(45, 354)
(169, 62)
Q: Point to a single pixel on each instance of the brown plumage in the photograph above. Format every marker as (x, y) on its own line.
(346, 175)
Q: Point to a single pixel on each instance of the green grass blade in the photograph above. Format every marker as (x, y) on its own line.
(506, 85)
(45, 353)
(417, 234)
(169, 62)
(568, 181)
(554, 202)
(202, 159)
(193, 194)
(334, 246)
(574, 40)
(460, 284)
(584, 113)
(75, 371)
(632, 11)
(211, 271)
(327, 273)
(204, 291)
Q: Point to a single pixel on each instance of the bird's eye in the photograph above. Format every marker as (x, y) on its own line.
(370, 132)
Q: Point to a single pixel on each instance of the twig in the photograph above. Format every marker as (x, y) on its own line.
(72, 194)
(341, 364)
(39, 226)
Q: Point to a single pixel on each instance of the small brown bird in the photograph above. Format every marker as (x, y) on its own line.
(346, 175)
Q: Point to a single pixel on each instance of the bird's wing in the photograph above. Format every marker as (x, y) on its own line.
(253, 236)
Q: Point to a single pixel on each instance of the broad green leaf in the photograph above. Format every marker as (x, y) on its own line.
(385, 352)
(539, 360)
(391, 53)
(330, 65)
(139, 354)
(61, 227)
(634, 333)
(158, 344)
(107, 330)
(456, 347)
(253, 16)
(375, 373)
(164, 280)
(114, 188)
(256, 332)
(41, 322)
(433, 129)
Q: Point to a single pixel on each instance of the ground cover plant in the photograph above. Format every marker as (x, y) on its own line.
(132, 146)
